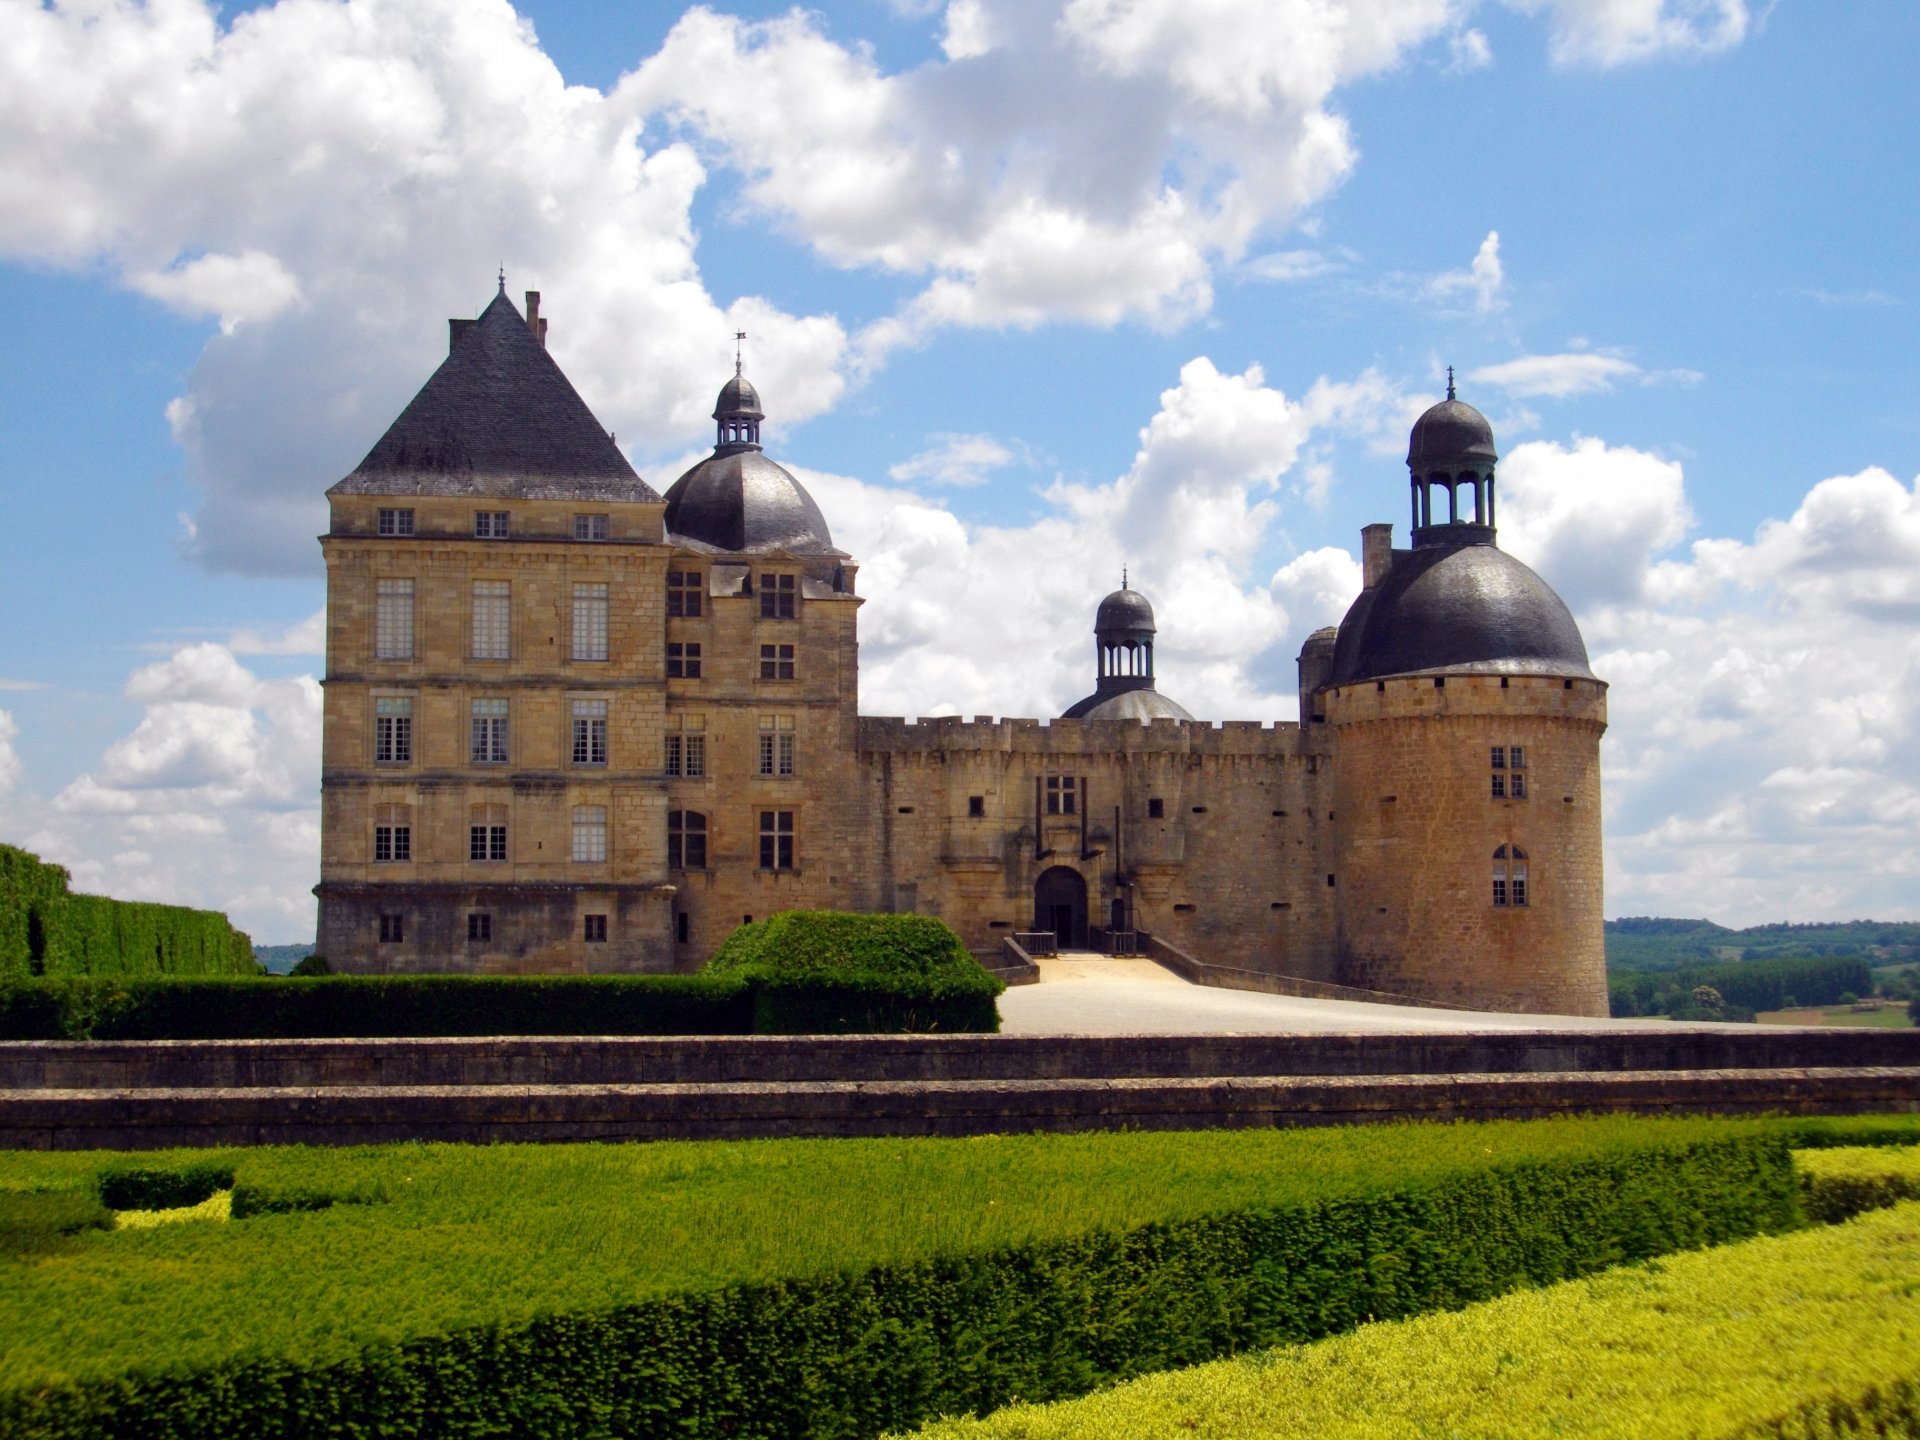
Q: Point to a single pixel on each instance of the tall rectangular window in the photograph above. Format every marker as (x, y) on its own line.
(393, 929)
(686, 840)
(392, 730)
(777, 597)
(1509, 766)
(590, 834)
(776, 839)
(590, 621)
(492, 619)
(396, 522)
(686, 746)
(683, 660)
(489, 732)
(776, 662)
(684, 589)
(776, 745)
(392, 835)
(487, 834)
(393, 620)
(589, 732)
(590, 527)
(490, 525)
(1063, 795)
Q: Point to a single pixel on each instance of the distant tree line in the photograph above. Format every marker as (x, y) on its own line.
(1740, 987)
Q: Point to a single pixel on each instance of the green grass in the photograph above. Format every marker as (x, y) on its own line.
(437, 1237)
(1781, 1335)
(1889, 1016)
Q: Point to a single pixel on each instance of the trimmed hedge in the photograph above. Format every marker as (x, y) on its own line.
(1808, 1335)
(33, 1222)
(835, 972)
(47, 930)
(349, 1006)
(1836, 1185)
(851, 1352)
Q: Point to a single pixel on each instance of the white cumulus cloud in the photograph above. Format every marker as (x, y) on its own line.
(954, 460)
(1605, 33)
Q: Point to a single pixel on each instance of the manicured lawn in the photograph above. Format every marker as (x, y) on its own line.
(1883, 1015)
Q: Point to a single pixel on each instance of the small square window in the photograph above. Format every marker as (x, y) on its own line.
(684, 591)
(1156, 809)
(479, 925)
(596, 929)
(490, 525)
(683, 660)
(590, 527)
(776, 662)
(393, 929)
(976, 806)
(1063, 795)
(777, 597)
(396, 522)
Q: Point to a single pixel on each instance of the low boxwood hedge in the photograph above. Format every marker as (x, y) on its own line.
(856, 1337)
(1793, 1337)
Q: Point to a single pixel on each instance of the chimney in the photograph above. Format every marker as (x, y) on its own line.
(1376, 554)
(534, 322)
(456, 332)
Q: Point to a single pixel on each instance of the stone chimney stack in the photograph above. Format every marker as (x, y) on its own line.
(534, 322)
(456, 331)
(1376, 554)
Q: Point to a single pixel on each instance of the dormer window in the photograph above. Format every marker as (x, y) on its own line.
(490, 524)
(777, 594)
(590, 527)
(396, 522)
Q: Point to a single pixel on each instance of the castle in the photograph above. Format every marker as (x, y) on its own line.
(574, 725)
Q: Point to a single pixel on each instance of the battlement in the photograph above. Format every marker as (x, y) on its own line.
(889, 734)
(1406, 696)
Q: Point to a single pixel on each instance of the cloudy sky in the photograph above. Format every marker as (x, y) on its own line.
(1034, 289)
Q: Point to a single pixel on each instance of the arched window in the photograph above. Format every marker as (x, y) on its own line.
(686, 840)
(1509, 876)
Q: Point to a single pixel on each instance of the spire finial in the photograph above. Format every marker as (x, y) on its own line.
(1449, 382)
(738, 337)
(1123, 577)
(503, 279)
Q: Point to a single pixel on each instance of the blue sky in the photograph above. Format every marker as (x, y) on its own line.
(1033, 290)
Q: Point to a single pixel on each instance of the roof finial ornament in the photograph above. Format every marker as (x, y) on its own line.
(1123, 576)
(1449, 382)
(503, 279)
(738, 336)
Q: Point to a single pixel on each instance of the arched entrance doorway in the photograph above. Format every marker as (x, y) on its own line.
(1060, 906)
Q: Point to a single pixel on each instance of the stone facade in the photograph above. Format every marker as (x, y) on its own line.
(734, 776)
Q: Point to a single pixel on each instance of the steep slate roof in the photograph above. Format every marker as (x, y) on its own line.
(498, 421)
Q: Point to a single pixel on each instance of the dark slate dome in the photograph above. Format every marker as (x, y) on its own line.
(1450, 433)
(1126, 610)
(1144, 706)
(745, 502)
(1465, 608)
(738, 398)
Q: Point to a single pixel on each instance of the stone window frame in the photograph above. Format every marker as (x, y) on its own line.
(687, 834)
(393, 928)
(392, 834)
(686, 594)
(487, 835)
(492, 524)
(684, 660)
(479, 927)
(779, 595)
(393, 521)
(778, 662)
(590, 639)
(777, 752)
(592, 526)
(779, 840)
(1062, 795)
(1510, 887)
(489, 733)
(591, 837)
(490, 635)
(594, 930)
(395, 617)
(392, 729)
(1508, 764)
(588, 718)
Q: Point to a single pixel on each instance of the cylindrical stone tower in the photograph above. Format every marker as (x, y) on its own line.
(1466, 732)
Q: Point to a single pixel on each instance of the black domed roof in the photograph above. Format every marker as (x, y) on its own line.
(743, 501)
(1463, 608)
(1124, 610)
(1450, 432)
(738, 401)
(1144, 705)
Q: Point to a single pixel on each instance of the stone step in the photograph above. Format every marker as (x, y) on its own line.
(738, 1059)
(149, 1118)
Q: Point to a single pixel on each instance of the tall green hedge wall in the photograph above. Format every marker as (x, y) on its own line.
(45, 929)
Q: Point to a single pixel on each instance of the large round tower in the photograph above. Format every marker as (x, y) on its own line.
(1466, 728)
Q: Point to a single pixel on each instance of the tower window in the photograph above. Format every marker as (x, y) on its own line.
(393, 730)
(1509, 877)
(589, 732)
(479, 925)
(590, 527)
(392, 835)
(776, 745)
(1156, 809)
(596, 929)
(489, 732)
(1509, 765)
(776, 662)
(492, 619)
(777, 596)
(590, 621)
(393, 929)
(682, 927)
(490, 525)
(396, 522)
(487, 834)
(393, 620)
(590, 834)
(684, 589)
(976, 806)
(1063, 795)
(686, 840)
(683, 660)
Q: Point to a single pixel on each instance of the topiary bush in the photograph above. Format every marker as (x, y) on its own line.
(836, 972)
